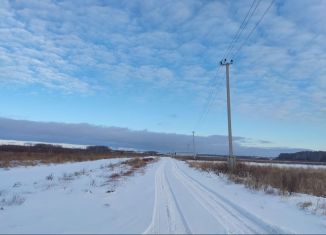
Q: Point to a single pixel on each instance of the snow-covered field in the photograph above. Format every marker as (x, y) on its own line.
(282, 165)
(288, 165)
(167, 197)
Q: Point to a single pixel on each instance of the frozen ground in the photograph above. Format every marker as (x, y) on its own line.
(168, 197)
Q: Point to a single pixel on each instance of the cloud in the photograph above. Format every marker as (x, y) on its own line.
(281, 67)
(66, 38)
(96, 45)
(118, 137)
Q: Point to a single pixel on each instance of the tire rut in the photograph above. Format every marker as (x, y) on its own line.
(234, 218)
(167, 216)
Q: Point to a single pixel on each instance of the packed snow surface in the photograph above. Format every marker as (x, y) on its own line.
(166, 197)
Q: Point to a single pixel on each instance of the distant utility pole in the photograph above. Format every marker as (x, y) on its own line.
(231, 158)
(193, 143)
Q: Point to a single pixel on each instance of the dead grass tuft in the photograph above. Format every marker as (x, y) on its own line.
(66, 177)
(50, 177)
(128, 173)
(320, 206)
(15, 200)
(136, 163)
(114, 176)
(93, 183)
(304, 205)
(132, 165)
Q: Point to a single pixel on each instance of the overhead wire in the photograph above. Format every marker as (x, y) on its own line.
(252, 30)
(209, 101)
(242, 27)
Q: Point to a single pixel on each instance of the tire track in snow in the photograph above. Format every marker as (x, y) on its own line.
(167, 216)
(234, 218)
(186, 226)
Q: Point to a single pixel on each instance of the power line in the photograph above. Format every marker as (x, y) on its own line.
(210, 100)
(208, 103)
(252, 30)
(239, 29)
(207, 109)
(214, 95)
(242, 27)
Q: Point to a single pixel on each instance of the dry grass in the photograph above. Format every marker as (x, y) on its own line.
(15, 200)
(16, 155)
(130, 166)
(12, 159)
(114, 176)
(93, 183)
(50, 177)
(66, 177)
(304, 205)
(287, 180)
(137, 163)
(320, 206)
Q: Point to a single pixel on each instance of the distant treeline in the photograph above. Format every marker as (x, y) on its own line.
(50, 148)
(308, 156)
(11, 155)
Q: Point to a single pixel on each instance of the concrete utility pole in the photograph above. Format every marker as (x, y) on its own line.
(193, 144)
(231, 158)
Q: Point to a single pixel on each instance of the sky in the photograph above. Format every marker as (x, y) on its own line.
(139, 74)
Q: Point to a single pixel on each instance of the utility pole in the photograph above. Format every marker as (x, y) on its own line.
(231, 157)
(193, 144)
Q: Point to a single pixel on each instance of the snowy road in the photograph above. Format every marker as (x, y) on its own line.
(165, 197)
(184, 205)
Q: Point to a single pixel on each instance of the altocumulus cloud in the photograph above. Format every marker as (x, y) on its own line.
(78, 48)
(118, 137)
